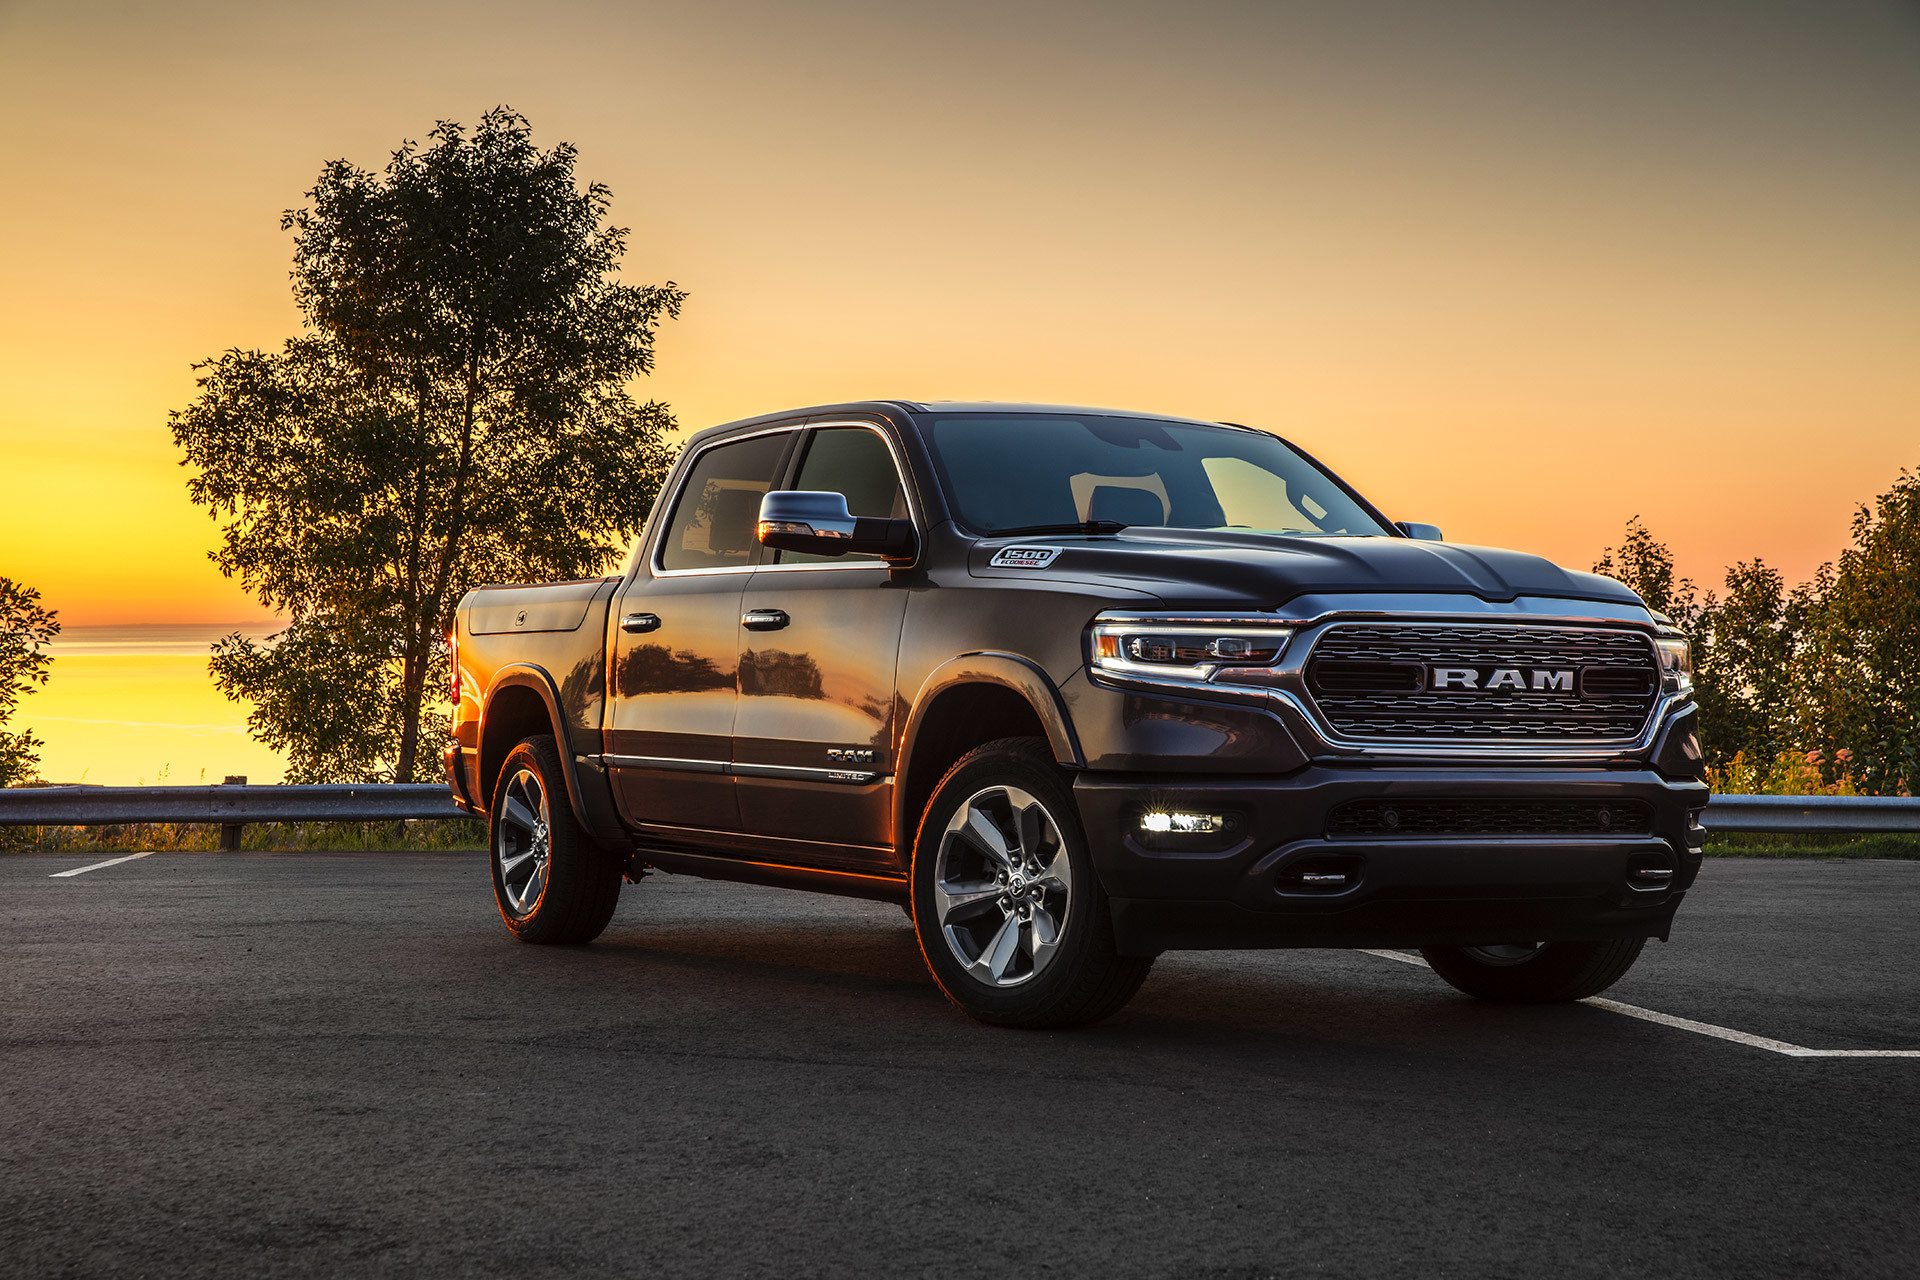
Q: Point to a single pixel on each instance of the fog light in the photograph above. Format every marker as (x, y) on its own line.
(1199, 824)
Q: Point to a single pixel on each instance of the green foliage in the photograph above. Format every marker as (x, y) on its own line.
(1862, 646)
(1885, 844)
(1646, 565)
(26, 629)
(456, 413)
(1811, 690)
(281, 837)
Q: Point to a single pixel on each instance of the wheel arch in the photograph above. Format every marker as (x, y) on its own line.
(969, 700)
(523, 700)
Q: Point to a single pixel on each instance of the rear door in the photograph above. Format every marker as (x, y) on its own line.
(813, 735)
(675, 676)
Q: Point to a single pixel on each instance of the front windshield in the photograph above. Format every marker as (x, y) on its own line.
(1006, 473)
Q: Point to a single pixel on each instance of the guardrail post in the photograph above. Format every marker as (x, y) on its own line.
(230, 831)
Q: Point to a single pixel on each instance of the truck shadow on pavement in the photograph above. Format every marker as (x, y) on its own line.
(870, 973)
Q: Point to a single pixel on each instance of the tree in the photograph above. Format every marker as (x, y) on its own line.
(456, 412)
(26, 629)
(1862, 674)
(1743, 645)
(1646, 565)
(1746, 648)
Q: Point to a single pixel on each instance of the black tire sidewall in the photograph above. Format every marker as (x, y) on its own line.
(1016, 763)
(582, 882)
(1562, 971)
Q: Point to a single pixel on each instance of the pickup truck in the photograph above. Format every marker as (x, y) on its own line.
(1075, 687)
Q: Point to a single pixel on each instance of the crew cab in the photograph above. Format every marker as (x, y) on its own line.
(1075, 687)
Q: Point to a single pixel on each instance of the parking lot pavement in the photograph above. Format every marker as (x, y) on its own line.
(341, 1065)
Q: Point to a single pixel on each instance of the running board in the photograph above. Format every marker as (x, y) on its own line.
(847, 884)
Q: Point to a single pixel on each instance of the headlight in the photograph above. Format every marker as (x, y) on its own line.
(1187, 651)
(1676, 664)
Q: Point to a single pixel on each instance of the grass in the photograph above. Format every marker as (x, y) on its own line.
(288, 837)
(1886, 844)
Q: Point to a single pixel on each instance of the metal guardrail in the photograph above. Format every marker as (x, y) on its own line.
(1813, 815)
(372, 802)
(227, 805)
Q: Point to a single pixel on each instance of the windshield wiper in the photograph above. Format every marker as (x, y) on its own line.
(1083, 526)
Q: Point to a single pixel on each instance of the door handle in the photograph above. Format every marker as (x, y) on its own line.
(764, 619)
(634, 623)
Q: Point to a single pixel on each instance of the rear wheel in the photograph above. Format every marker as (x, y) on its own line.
(1536, 972)
(551, 883)
(1012, 922)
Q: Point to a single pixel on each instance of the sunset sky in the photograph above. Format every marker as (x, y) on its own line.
(1519, 269)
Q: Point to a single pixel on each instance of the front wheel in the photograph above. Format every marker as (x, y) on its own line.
(1536, 972)
(551, 883)
(1012, 922)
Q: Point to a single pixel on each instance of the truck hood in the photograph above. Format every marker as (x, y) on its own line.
(1194, 567)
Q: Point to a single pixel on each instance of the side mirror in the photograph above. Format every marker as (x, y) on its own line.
(820, 524)
(1423, 532)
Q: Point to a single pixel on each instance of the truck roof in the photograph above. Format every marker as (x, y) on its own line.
(920, 407)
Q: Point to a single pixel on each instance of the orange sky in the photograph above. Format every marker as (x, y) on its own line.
(1522, 270)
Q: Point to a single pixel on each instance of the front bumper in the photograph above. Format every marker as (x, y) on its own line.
(1250, 891)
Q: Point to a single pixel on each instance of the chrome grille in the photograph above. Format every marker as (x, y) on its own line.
(1612, 694)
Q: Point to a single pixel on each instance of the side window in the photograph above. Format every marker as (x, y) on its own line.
(713, 520)
(854, 462)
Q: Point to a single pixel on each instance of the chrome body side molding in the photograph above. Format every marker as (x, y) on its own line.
(800, 773)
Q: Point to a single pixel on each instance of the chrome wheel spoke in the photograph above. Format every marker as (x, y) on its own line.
(999, 952)
(510, 865)
(985, 836)
(515, 810)
(1046, 936)
(1032, 826)
(530, 892)
(1057, 875)
(958, 901)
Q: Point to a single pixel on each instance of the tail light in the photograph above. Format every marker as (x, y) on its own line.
(453, 666)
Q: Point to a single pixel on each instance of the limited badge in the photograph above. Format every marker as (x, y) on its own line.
(1024, 557)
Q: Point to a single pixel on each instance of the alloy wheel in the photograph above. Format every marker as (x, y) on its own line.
(1002, 881)
(523, 841)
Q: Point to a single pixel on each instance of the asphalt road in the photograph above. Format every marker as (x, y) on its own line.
(342, 1065)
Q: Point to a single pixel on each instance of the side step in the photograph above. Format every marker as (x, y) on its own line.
(847, 884)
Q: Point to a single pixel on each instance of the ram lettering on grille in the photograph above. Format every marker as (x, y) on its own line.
(1525, 685)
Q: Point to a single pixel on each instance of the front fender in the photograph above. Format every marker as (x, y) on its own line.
(1008, 670)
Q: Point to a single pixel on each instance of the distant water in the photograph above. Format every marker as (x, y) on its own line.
(193, 639)
(135, 706)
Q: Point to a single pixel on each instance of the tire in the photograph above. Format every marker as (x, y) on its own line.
(999, 862)
(1540, 973)
(551, 883)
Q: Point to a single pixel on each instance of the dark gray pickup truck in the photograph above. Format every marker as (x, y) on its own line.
(1075, 687)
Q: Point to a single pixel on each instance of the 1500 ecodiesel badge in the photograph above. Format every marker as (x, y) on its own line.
(1076, 687)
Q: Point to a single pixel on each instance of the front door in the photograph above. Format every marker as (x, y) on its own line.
(677, 648)
(813, 733)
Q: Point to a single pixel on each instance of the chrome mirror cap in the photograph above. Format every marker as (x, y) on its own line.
(819, 524)
(800, 513)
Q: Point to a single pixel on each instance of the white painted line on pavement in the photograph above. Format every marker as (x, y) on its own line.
(1401, 956)
(1701, 1028)
(1741, 1037)
(110, 862)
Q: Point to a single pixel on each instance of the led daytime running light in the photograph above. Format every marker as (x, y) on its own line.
(1188, 652)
